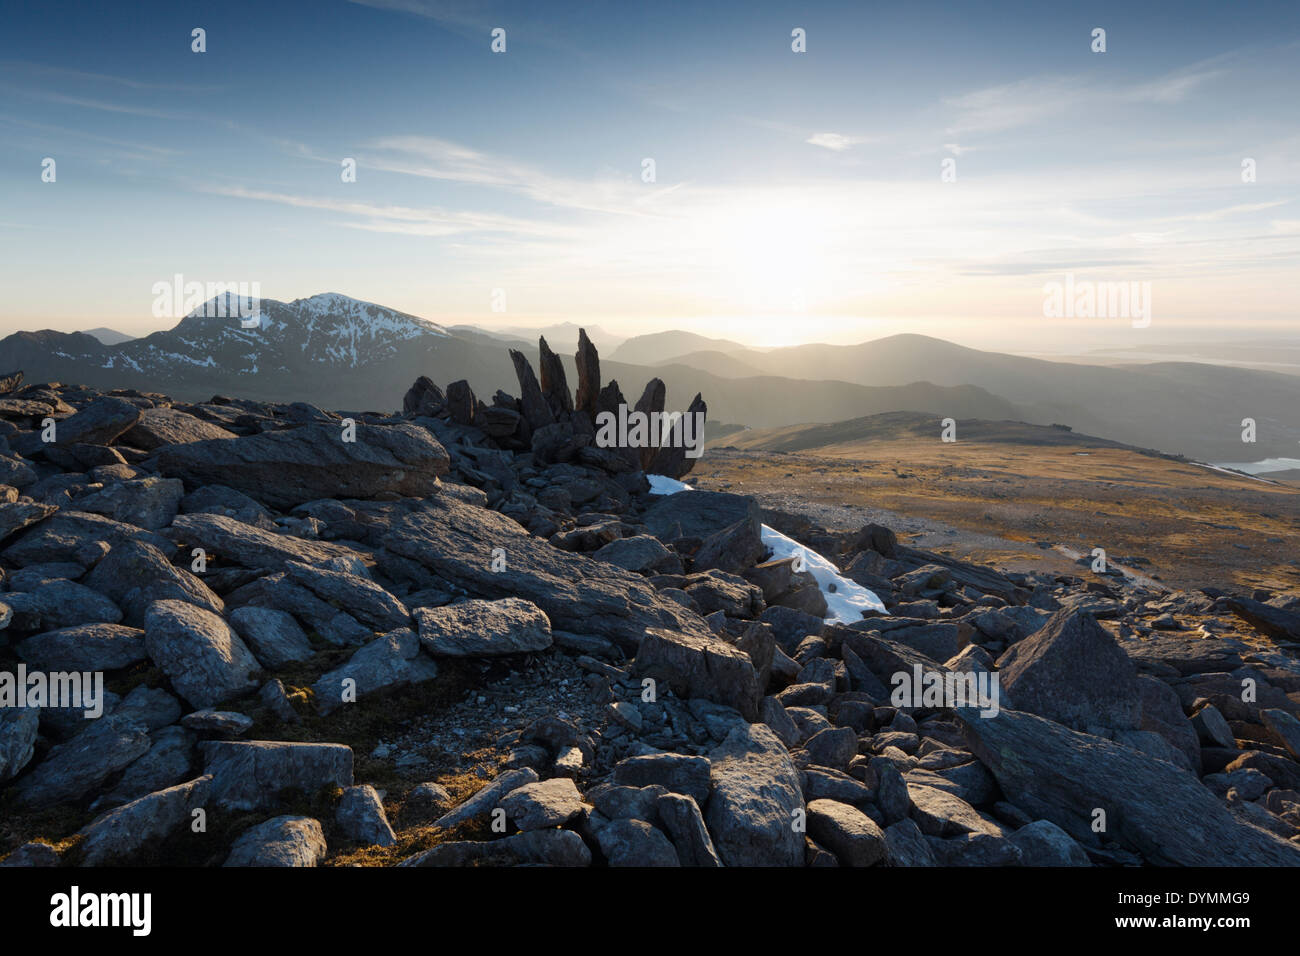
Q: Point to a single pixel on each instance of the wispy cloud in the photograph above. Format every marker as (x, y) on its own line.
(837, 142)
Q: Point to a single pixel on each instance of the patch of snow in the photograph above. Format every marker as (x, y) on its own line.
(663, 485)
(845, 600)
(1235, 473)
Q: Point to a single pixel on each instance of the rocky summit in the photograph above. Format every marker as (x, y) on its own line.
(243, 633)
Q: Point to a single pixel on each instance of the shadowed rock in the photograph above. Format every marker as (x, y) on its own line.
(650, 403)
(86, 647)
(83, 764)
(755, 795)
(18, 728)
(423, 398)
(99, 423)
(123, 832)
(1152, 807)
(672, 460)
(236, 543)
(137, 574)
(461, 402)
(73, 536)
(555, 386)
(587, 361)
(532, 403)
(287, 468)
(695, 665)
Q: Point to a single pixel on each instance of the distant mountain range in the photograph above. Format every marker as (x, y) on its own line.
(342, 353)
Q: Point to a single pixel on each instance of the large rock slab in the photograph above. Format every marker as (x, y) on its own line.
(121, 833)
(70, 536)
(751, 812)
(81, 766)
(1152, 807)
(536, 848)
(249, 775)
(204, 659)
(484, 628)
(698, 513)
(59, 603)
(695, 665)
(286, 468)
(1072, 671)
(86, 647)
(233, 542)
(546, 803)
(170, 426)
(456, 541)
(275, 638)
(1274, 621)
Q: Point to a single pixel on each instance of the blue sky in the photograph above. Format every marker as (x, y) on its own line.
(796, 196)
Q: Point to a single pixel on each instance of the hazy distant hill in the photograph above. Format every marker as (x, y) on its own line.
(109, 336)
(660, 347)
(716, 363)
(1180, 407)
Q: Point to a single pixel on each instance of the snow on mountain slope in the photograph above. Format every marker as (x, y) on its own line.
(845, 600)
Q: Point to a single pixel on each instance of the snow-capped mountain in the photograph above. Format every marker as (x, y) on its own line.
(328, 348)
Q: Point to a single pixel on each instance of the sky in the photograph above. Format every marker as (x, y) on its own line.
(795, 196)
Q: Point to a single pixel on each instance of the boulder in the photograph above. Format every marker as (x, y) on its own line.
(752, 810)
(360, 815)
(392, 660)
(1072, 671)
(286, 468)
(205, 660)
(99, 423)
(484, 628)
(280, 841)
(854, 838)
(249, 775)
